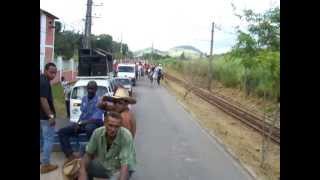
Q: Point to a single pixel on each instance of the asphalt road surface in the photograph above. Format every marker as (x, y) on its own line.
(171, 145)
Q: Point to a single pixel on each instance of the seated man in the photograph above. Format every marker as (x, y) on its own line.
(90, 119)
(110, 152)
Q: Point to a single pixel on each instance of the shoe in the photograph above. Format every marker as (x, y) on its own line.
(48, 168)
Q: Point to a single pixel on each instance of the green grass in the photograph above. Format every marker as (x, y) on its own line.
(59, 102)
(263, 77)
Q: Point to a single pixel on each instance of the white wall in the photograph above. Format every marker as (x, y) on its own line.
(42, 40)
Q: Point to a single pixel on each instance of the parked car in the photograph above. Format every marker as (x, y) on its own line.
(80, 89)
(125, 83)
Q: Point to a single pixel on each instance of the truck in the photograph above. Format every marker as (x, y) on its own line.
(127, 71)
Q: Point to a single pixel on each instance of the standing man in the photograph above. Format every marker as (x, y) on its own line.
(47, 117)
(91, 118)
(66, 92)
(110, 152)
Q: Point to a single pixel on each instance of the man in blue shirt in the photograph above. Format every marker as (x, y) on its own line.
(90, 119)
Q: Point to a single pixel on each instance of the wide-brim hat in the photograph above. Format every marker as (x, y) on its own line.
(70, 170)
(122, 94)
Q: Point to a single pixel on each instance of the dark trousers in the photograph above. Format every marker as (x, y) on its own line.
(158, 80)
(68, 108)
(95, 169)
(69, 131)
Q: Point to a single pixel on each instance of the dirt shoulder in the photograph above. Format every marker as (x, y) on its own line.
(244, 142)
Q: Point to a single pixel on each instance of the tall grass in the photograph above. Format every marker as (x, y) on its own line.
(261, 79)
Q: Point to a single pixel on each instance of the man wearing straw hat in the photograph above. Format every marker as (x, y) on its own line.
(110, 152)
(121, 101)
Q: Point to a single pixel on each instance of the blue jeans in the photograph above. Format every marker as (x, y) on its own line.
(47, 135)
(69, 131)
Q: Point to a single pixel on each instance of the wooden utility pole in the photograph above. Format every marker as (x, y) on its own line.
(210, 59)
(121, 49)
(151, 52)
(87, 29)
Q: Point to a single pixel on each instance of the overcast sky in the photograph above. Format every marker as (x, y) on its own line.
(165, 23)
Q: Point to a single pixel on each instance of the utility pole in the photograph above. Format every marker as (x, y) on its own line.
(87, 30)
(121, 49)
(151, 51)
(210, 59)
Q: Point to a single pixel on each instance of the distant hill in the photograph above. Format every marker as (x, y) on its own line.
(189, 52)
(140, 53)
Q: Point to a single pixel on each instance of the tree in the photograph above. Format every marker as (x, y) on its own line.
(102, 41)
(182, 56)
(263, 34)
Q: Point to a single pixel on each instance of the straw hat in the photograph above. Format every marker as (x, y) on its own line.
(71, 169)
(122, 94)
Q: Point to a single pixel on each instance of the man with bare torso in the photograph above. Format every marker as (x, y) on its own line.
(121, 101)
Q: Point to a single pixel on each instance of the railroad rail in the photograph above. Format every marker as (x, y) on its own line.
(247, 116)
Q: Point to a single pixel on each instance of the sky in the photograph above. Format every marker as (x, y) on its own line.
(163, 23)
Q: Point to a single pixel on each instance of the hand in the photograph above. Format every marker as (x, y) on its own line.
(52, 122)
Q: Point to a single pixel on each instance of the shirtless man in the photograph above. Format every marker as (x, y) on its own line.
(121, 101)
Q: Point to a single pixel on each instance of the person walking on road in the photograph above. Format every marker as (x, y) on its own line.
(47, 117)
(110, 152)
(91, 118)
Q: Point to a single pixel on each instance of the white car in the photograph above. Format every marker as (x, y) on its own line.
(79, 90)
(127, 71)
(125, 82)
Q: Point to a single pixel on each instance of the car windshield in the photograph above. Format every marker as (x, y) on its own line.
(125, 69)
(79, 92)
(123, 81)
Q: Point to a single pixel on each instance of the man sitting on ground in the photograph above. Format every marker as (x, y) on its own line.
(110, 152)
(90, 119)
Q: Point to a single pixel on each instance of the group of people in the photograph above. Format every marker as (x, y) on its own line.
(108, 123)
(155, 73)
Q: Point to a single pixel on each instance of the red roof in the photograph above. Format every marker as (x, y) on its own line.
(48, 14)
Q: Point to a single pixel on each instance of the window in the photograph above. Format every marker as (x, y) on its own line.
(123, 81)
(125, 69)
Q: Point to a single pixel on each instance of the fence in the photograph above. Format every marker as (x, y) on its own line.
(66, 68)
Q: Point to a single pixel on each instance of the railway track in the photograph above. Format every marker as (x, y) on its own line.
(248, 117)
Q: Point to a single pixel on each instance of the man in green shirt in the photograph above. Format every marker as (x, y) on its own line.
(110, 152)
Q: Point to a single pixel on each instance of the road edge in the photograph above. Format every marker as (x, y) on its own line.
(212, 136)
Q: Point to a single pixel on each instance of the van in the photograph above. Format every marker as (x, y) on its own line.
(127, 71)
(79, 90)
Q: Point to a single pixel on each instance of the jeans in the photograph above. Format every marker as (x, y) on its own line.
(68, 108)
(95, 169)
(69, 131)
(47, 135)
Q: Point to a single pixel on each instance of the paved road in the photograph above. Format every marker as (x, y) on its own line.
(170, 145)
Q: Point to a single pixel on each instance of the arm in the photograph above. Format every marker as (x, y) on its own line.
(124, 172)
(133, 123)
(91, 150)
(45, 105)
(84, 165)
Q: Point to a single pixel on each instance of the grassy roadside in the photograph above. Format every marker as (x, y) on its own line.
(58, 98)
